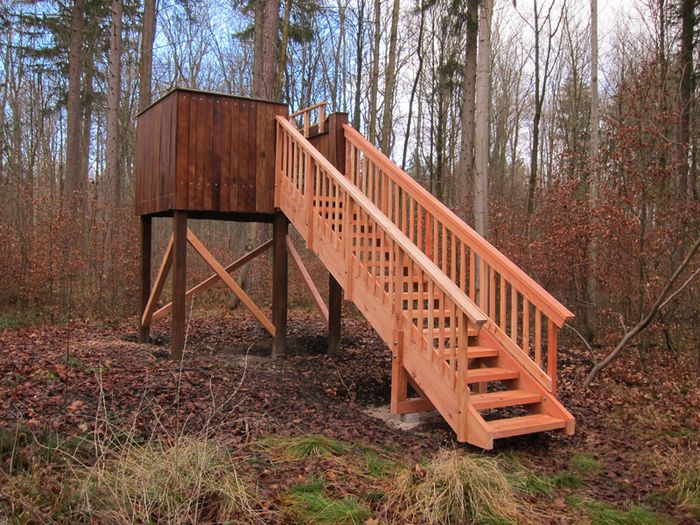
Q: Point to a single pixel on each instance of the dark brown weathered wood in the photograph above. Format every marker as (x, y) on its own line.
(206, 152)
(279, 283)
(179, 278)
(335, 306)
(145, 270)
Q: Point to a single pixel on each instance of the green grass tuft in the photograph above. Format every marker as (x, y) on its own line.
(532, 483)
(601, 513)
(567, 480)
(378, 466)
(314, 484)
(302, 447)
(585, 464)
(315, 507)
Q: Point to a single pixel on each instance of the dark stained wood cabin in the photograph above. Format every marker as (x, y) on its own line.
(210, 154)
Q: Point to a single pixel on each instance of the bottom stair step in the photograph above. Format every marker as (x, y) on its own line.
(516, 426)
(506, 398)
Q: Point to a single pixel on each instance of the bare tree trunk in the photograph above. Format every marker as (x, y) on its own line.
(481, 144)
(374, 79)
(113, 96)
(148, 32)
(592, 248)
(685, 93)
(283, 49)
(416, 80)
(466, 156)
(356, 117)
(390, 82)
(73, 189)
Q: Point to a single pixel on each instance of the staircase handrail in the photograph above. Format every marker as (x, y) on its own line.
(449, 288)
(537, 295)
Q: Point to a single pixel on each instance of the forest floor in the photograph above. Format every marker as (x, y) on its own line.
(301, 427)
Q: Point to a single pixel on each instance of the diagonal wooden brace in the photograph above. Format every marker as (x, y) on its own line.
(159, 284)
(230, 281)
(315, 295)
(212, 280)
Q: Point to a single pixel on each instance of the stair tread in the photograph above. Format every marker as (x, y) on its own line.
(478, 375)
(506, 398)
(515, 426)
(476, 352)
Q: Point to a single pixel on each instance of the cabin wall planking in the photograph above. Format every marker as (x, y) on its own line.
(200, 151)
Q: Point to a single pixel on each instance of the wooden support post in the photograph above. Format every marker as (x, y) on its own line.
(279, 283)
(145, 268)
(399, 376)
(335, 306)
(177, 329)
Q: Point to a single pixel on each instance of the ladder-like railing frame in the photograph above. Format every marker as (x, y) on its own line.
(491, 262)
(305, 115)
(363, 238)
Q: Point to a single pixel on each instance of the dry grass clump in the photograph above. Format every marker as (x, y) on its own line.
(176, 483)
(687, 489)
(455, 488)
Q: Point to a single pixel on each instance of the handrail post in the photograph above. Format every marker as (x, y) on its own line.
(321, 117)
(552, 354)
(462, 385)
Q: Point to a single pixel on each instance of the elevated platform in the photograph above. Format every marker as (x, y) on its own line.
(474, 336)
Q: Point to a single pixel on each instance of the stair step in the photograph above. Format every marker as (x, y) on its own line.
(507, 398)
(516, 426)
(476, 352)
(482, 375)
(470, 333)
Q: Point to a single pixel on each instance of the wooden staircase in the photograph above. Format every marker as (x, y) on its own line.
(474, 336)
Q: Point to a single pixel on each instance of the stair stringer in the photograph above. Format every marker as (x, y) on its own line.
(550, 405)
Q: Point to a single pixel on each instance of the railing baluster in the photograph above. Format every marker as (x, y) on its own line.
(538, 337)
(526, 326)
(552, 354)
(513, 314)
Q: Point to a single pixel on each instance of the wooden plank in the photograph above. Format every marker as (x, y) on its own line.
(479, 375)
(213, 279)
(145, 277)
(247, 158)
(191, 177)
(221, 154)
(506, 398)
(280, 275)
(230, 282)
(552, 346)
(516, 426)
(179, 282)
(159, 284)
(183, 150)
(315, 294)
(414, 405)
(335, 308)
(237, 130)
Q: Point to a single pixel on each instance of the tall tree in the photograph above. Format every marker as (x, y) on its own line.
(148, 32)
(374, 78)
(265, 48)
(466, 157)
(390, 81)
(543, 69)
(74, 186)
(592, 248)
(483, 100)
(114, 81)
(685, 98)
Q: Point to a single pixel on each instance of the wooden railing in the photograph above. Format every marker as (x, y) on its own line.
(302, 118)
(412, 304)
(523, 316)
